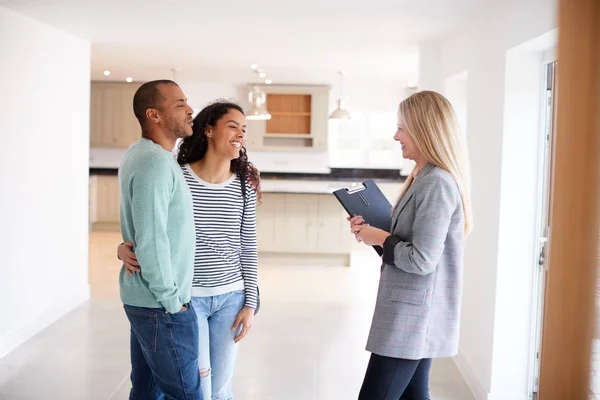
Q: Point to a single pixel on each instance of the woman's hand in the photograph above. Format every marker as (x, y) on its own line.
(355, 221)
(126, 254)
(244, 317)
(365, 233)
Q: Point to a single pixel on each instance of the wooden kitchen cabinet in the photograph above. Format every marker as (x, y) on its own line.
(299, 119)
(104, 202)
(112, 121)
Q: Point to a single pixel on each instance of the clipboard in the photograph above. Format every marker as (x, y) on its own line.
(367, 200)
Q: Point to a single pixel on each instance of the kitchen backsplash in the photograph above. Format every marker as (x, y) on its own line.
(292, 162)
(267, 161)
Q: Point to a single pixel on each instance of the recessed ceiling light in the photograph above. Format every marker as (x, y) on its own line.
(106, 73)
(253, 66)
(262, 74)
(268, 81)
(411, 85)
(129, 79)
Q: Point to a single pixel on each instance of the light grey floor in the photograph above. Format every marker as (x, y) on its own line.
(307, 344)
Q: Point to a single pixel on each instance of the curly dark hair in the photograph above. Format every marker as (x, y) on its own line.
(194, 147)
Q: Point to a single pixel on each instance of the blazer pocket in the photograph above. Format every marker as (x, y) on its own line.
(408, 295)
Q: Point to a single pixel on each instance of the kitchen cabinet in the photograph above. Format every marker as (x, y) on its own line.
(299, 119)
(104, 202)
(270, 227)
(112, 121)
(333, 230)
(302, 224)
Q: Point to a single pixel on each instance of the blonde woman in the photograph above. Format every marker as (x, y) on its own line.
(417, 312)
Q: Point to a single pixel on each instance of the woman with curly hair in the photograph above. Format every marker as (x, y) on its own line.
(224, 187)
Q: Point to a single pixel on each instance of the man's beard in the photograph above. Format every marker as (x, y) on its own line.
(177, 129)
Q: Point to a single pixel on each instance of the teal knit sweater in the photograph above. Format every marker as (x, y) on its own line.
(156, 214)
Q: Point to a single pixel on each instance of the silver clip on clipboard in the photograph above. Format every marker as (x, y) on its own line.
(358, 187)
(355, 187)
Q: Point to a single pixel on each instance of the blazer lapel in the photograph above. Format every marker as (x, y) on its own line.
(408, 195)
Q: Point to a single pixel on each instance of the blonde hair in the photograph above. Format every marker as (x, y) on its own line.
(431, 122)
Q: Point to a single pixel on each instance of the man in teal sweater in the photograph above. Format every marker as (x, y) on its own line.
(157, 216)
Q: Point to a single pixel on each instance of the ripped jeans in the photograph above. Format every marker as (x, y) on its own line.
(217, 350)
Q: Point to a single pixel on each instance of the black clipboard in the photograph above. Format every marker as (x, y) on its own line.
(367, 200)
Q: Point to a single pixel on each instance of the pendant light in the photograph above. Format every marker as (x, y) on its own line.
(258, 100)
(340, 112)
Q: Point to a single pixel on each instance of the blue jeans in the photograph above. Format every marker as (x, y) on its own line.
(395, 378)
(164, 355)
(217, 350)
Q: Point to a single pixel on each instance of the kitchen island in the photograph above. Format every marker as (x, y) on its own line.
(298, 218)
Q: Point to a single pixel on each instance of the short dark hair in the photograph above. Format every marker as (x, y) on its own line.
(148, 96)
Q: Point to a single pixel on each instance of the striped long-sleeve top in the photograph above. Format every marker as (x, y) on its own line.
(226, 256)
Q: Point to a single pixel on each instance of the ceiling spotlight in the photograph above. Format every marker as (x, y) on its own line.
(106, 73)
(129, 79)
(262, 74)
(411, 85)
(268, 81)
(254, 66)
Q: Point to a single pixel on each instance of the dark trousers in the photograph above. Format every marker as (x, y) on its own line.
(396, 379)
(164, 354)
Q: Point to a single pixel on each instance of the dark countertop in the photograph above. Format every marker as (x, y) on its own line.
(337, 174)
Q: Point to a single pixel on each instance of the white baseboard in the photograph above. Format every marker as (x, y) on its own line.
(44, 319)
(509, 396)
(476, 388)
(470, 378)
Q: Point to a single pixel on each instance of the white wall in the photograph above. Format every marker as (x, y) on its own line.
(44, 108)
(200, 94)
(501, 139)
(430, 74)
(456, 91)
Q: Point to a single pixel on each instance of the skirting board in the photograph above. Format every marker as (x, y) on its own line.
(500, 396)
(470, 378)
(478, 391)
(43, 320)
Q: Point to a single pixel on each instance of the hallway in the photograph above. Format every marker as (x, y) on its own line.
(307, 342)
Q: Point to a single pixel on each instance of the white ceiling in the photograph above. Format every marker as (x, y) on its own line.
(295, 42)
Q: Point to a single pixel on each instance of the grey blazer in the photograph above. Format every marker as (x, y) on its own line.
(417, 312)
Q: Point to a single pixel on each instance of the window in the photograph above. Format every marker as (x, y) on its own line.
(365, 141)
